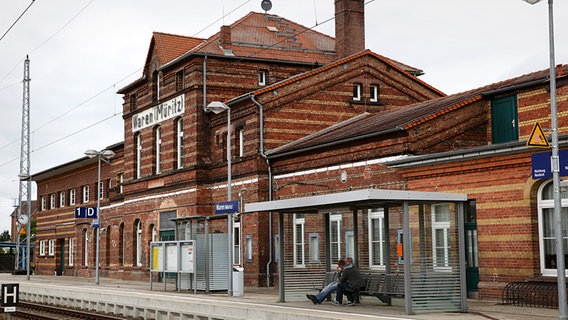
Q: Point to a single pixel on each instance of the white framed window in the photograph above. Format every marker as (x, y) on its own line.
(262, 77)
(248, 248)
(373, 93)
(101, 190)
(241, 135)
(158, 150)
(547, 227)
(85, 194)
(138, 160)
(61, 199)
(71, 251)
(299, 245)
(313, 246)
(237, 243)
(51, 247)
(155, 234)
(72, 195)
(357, 92)
(86, 248)
(120, 180)
(179, 143)
(52, 201)
(42, 247)
(335, 236)
(139, 243)
(377, 252)
(441, 236)
(43, 203)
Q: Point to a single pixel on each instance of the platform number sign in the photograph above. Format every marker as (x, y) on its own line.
(10, 296)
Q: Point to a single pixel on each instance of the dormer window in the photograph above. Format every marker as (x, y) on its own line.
(374, 93)
(357, 92)
(262, 78)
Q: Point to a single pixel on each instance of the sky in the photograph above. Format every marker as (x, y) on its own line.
(83, 51)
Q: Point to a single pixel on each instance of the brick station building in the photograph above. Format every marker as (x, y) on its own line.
(310, 115)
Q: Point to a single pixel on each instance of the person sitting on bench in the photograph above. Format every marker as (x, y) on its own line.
(349, 282)
(330, 287)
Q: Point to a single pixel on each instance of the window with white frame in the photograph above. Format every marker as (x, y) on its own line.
(179, 143)
(241, 135)
(61, 199)
(86, 247)
(262, 77)
(43, 203)
(313, 246)
(138, 160)
(335, 236)
(139, 243)
(373, 93)
(248, 248)
(357, 92)
(120, 181)
(42, 247)
(547, 227)
(158, 150)
(441, 236)
(71, 250)
(85, 194)
(237, 243)
(51, 247)
(52, 201)
(377, 253)
(101, 190)
(299, 227)
(72, 195)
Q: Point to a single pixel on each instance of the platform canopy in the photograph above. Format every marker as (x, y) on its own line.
(434, 281)
(359, 199)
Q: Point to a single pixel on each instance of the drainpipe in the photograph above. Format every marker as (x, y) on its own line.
(205, 82)
(263, 155)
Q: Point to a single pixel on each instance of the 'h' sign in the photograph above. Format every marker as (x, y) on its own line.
(10, 294)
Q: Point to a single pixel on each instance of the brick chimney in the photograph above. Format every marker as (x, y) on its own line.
(225, 35)
(349, 27)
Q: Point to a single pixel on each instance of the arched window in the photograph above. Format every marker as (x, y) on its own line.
(85, 247)
(138, 242)
(546, 227)
(157, 150)
(138, 155)
(121, 244)
(179, 143)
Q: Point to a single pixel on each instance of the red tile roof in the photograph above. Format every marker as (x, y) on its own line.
(170, 46)
(408, 117)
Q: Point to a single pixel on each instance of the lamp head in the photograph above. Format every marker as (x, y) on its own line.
(91, 153)
(217, 107)
(532, 1)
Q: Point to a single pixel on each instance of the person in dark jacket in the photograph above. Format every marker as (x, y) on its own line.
(350, 281)
(330, 288)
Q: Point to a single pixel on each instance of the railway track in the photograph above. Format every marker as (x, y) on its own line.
(34, 311)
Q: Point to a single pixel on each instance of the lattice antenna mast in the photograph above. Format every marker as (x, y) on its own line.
(24, 209)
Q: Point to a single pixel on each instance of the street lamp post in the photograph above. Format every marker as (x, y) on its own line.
(218, 107)
(105, 155)
(555, 166)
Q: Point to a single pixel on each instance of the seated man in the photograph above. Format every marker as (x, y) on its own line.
(330, 287)
(349, 282)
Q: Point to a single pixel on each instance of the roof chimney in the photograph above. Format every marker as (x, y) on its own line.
(225, 35)
(349, 27)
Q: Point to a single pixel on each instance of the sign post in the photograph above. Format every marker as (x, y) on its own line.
(10, 296)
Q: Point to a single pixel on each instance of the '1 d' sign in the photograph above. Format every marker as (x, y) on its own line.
(227, 207)
(86, 212)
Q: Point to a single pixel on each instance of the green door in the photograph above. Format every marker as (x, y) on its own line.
(471, 254)
(504, 122)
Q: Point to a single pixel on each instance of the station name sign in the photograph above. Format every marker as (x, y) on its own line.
(164, 111)
(541, 165)
(227, 207)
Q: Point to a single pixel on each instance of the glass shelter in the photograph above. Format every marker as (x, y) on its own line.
(414, 237)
